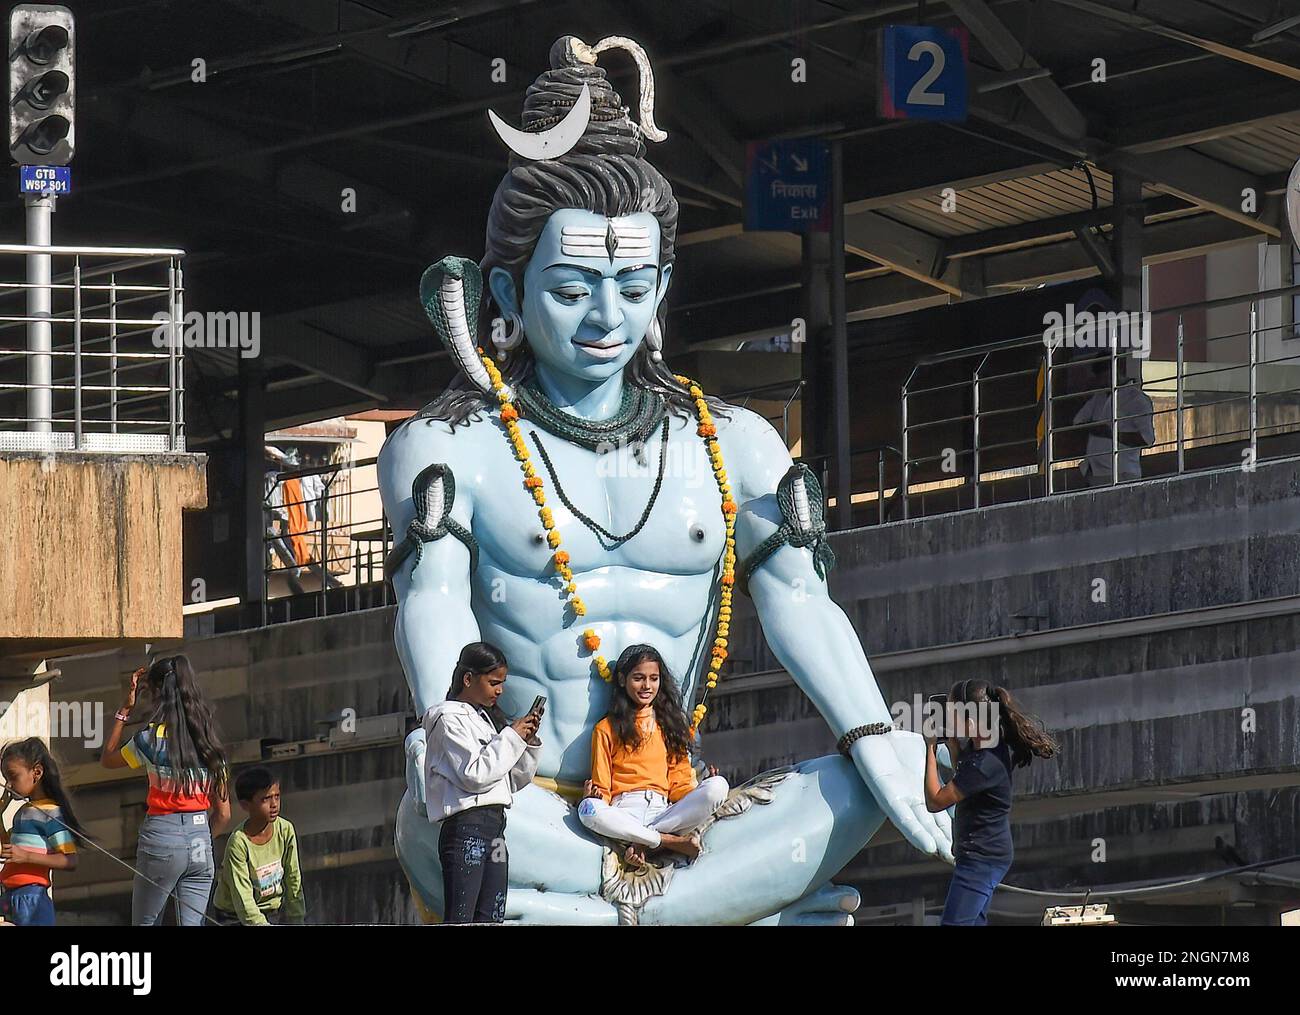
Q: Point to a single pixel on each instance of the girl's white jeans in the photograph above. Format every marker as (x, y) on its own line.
(640, 815)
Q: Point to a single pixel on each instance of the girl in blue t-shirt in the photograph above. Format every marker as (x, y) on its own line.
(42, 839)
(989, 734)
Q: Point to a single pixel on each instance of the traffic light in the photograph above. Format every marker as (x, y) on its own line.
(41, 85)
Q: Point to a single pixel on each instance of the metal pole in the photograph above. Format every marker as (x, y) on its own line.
(324, 545)
(252, 490)
(112, 353)
(171, 356)
(40, 396)
(975, 412)
(178, 315)
(907, 461)
(1254, 389)
(76, 353)
(840, 344)
(266, 574)
(880, 485)
(1178, 397)
(1114, 411)
(1047, 422)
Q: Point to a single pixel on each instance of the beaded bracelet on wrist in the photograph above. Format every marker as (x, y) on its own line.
(850, 738)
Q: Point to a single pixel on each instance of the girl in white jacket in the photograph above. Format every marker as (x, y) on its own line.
(475, 760)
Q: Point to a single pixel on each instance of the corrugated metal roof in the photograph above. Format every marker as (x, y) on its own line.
(1007, 203)
(1273, 147)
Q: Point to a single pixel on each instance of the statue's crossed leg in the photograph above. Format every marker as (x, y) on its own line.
(770, 863)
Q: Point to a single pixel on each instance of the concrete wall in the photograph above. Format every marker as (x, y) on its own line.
(1156, 720)
(100, 542)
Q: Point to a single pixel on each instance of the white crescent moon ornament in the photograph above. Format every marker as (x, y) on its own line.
(553, 142)
(1293, 202)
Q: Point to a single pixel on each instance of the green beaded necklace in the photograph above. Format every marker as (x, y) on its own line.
(639, 412)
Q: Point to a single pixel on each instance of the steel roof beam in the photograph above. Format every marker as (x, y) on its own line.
(1130, 19)
(1011, 56)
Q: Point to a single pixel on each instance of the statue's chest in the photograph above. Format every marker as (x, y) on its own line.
(665, 499)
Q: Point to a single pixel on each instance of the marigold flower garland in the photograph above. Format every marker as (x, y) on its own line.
(706, 429)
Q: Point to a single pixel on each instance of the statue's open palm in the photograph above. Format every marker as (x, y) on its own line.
(893, 765)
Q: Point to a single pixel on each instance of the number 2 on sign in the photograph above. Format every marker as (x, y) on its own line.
(918, 94)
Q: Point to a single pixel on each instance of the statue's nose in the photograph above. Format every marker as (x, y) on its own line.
(606, 313)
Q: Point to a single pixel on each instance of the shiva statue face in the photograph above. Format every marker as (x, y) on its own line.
(591, 289)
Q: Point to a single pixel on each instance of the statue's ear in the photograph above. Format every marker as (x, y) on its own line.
(502, 285)
(665, 276)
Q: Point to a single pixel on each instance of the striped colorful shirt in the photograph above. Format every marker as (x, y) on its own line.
(38, 828)
(148, 750)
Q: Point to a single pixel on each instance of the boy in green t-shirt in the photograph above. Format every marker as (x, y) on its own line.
(261, 881)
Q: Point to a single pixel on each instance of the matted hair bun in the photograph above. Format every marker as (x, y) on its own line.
(610, 131)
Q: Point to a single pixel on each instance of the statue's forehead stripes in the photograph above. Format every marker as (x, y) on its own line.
(616, 239)
(587, 269)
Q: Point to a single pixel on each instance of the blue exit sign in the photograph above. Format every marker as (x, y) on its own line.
(45, 180)
(788, 186)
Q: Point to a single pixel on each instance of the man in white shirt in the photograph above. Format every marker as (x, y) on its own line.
(1136, 428)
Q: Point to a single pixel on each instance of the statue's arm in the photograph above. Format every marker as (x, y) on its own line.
(434, 620)
(806, 630)
(810, 635)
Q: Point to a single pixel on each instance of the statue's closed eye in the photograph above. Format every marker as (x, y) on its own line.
(571, 294)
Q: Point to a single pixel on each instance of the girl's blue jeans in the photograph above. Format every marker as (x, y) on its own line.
(28, 906)
(969, 892)
(174, 857)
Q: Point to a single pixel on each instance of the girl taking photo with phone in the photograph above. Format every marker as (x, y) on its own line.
(989, 735)
(475, 760)
(187, 805)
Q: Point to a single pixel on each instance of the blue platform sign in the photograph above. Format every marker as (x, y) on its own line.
(788, 186)
(923, 72)
(45, 180)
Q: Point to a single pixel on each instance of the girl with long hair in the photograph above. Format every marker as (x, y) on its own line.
(476, 759)
(642, 790)
(989, 735)
(188, 801)
(42, 839)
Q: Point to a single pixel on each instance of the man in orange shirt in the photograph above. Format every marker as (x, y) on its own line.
(642, 788)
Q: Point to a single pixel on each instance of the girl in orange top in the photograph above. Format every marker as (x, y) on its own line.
(642, 788)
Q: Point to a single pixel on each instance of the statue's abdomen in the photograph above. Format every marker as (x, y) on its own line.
(625, 607)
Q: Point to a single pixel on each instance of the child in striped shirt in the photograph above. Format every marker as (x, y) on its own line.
(41, 840)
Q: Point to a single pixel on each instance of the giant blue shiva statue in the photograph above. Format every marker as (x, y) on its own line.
(568, 496)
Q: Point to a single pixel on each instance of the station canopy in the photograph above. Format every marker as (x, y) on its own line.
(237, 129)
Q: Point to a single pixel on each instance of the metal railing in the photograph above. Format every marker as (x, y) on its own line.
(984, 420)
(878, 455)
(325, 537)
(105, 370)
(782, 393)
